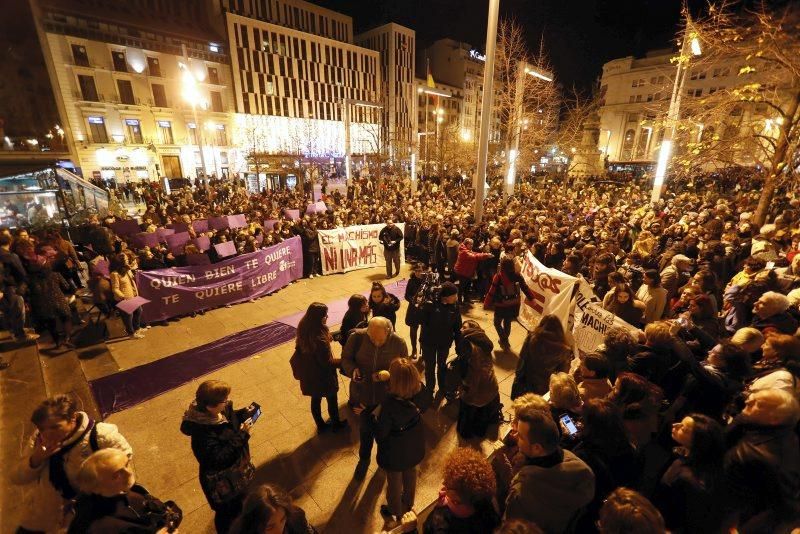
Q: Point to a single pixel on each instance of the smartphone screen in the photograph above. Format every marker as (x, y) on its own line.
(255, 416)
(568, 424)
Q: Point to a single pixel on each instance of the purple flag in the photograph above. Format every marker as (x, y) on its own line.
(228, 248)
(131, 305)
(183, 290)
(269, 224)
(144, 239)
(125, 227)
(163, 233)
(203, 243)
(292, 214)
(179, 227)
(200, 226)
(218, 223)
(237, 221)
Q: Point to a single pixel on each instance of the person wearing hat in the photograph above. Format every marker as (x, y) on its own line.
(441, 326)
(673, 276)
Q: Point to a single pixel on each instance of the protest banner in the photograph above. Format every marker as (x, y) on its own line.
(200, 225)
(293, 215)
(237, 221)
(317, 207)
(183, 290)
(163, 233)
(218, 223)
(552, 292)
(202, 242)
(354, 247)
(228, 248)
(269, 224)
(591, 322)
(179, 227)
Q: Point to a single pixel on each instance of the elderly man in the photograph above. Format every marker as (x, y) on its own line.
(369, 351)
(674, 277)
(770, 312)
(390, 237)
(762, 465)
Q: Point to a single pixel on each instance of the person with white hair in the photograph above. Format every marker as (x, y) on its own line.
(365, 359)
(674, 275)
(111, 501)
(762, 465)
(770, 312)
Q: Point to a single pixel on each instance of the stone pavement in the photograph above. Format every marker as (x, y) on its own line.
(286, 450)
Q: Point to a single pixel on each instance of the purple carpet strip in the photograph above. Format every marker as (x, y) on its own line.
(128, 388)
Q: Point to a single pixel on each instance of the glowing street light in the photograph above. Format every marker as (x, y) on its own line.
(191, 94)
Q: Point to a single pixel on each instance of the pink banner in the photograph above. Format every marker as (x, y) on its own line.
(218, 223)
(200, 225)
(163, 233)
(228, 248)
(292, 214)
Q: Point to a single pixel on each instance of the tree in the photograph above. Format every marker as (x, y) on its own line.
(577, 111)
(755, 119)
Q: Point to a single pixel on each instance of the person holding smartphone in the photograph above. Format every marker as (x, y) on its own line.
(220, 443)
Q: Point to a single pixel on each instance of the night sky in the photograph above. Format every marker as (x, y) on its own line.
(579, 35)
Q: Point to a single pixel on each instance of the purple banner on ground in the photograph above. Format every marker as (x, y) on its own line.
(145, 240)
(183, 290)
(200, 226)
(237, 221)
(125, 227)
(203, 243)
(228, 248)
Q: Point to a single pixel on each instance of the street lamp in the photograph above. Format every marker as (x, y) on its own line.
(191, 94)
(690, 45)
(515, 128)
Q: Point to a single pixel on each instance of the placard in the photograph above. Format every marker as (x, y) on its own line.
(354, 247)
(552, 292)
(228, 248)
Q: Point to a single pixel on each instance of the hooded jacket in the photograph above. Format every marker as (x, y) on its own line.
(44, 509)
(399, 432)
(479, 385)
(217, 443)
(551, 496)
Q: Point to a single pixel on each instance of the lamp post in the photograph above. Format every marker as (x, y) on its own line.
(515, 127)
(486, 109)
(690, 45)
(192, 95)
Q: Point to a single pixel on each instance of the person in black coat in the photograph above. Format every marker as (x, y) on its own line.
(356, 316)
(441, 326)
(382, 303)
(400, 436)
(220, 437)
(391, 237)
(413, 313)
(267, 509)
(315, 367)
(111, 501)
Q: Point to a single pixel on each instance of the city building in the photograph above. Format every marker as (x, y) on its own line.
(439, 116)
(459, 65)
(396, 45)
(121, 74)
(635, 92)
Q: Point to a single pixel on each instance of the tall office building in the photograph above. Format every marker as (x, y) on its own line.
(396, 45)
(117, 70)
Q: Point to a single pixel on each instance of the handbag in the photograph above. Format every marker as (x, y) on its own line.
(227, 484)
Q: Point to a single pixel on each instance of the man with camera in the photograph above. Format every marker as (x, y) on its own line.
(441, 326)
(365, 359)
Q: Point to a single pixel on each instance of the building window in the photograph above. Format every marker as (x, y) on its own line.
(159, 96)
(126, 92)
(220, 136)
(88, 89)
(97, 130)
(631, 99)
(79, 55)
(627, 145)
(134, 128)
(650, 98)
(213, 75)
(192, 129)
(118, 58)
(153, 66)
(165, 132)
(638, 98)
(216, 102)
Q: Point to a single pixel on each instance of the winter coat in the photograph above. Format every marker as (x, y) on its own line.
(782, 322)
(452, 253)
(47, 297)
(349, 323)
(538, 359)
(467, 261)
(360, 353)
(386, 309)
(44, 509)
(399, 432)
(133, 512)
(390, 237)
(413, 314)
(123, 286)
(688, 501)
(506, 287)
(318, 372)
(441, 324)
(551, 496)
(217, 444)
(479, 386)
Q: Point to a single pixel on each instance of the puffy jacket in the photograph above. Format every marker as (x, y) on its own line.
(467, 261)
(400, 433)
(360, 353)
(44, 506)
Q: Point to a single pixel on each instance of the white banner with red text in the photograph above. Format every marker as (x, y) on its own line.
(591, 322)
(552, 293)
(354, 247)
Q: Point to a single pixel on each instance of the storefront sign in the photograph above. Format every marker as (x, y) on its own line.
(354, 247)
(183, 290)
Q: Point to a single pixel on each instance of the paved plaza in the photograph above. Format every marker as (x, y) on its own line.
(285, 446)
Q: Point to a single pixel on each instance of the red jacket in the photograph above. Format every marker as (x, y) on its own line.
(467, 261)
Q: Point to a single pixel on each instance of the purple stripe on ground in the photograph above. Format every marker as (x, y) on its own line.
(338, 308)
(125, 389)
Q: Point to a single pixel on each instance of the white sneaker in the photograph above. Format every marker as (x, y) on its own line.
(137, 335)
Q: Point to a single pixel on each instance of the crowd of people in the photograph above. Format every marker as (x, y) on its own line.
(691, 426)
